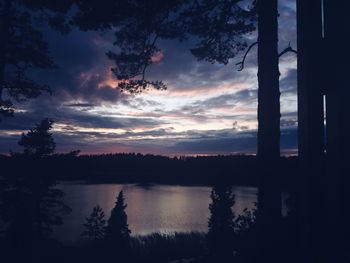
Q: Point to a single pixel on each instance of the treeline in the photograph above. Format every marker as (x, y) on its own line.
(138, 168)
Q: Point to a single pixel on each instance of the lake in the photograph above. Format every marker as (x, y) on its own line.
(151, 208)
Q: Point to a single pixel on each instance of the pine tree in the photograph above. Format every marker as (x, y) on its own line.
(95, 225)
(117, 230)
(32, 204)
(221, 232)
(38, 142)
(139, 25)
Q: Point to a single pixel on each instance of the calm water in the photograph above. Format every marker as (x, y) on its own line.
(157, 208)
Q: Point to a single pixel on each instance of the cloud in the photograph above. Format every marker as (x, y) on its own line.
(208, 108)
(83, 69)
(233, 143)
(288, 83)
(80, 105)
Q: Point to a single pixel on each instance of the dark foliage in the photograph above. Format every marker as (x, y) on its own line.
(38, 142)
(30, 203)
(218, 26)
(221, 226)
(23, 48)
(158, 247)
(95, 225)
(117, 233)
(246, 233)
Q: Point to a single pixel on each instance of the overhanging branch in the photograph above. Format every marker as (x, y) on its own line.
(241, 63)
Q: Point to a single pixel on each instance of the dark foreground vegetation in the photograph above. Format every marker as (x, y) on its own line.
(230, 238)
(151, 248)
(31, 205)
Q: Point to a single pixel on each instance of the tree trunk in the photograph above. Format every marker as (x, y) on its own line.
(311, 130)
(310, 82)
(269, 197)
(337, 37)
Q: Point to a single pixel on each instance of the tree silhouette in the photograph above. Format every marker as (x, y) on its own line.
(117, 232)
(95, 225)
(221, 225)
(311, 82)
(218, 25)
(38, 142)
(31, 204)
(269, 196)
(338, 124)
(246, 232)
(323, 149)
(23, 48)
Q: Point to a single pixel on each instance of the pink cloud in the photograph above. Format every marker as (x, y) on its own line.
(157, 57)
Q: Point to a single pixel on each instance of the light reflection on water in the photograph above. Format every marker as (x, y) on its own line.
(151, 208)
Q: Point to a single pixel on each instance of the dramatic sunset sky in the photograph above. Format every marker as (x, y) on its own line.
(207, 109)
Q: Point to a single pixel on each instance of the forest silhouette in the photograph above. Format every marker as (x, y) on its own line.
(317, 227)
(154, 169)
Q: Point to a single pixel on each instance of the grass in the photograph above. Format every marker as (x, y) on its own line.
(159, 247)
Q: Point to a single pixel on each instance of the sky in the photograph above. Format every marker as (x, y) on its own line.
(207, 109)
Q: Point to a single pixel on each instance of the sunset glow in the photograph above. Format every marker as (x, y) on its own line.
(204, 104)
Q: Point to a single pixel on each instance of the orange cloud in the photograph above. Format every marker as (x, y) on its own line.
(157, 57)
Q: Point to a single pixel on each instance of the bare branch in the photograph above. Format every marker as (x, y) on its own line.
(241, 63)
(288, 49)
(146, 65)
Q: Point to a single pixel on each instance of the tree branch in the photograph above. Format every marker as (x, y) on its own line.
(241, 63)
(152, 46)
(288, 49)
